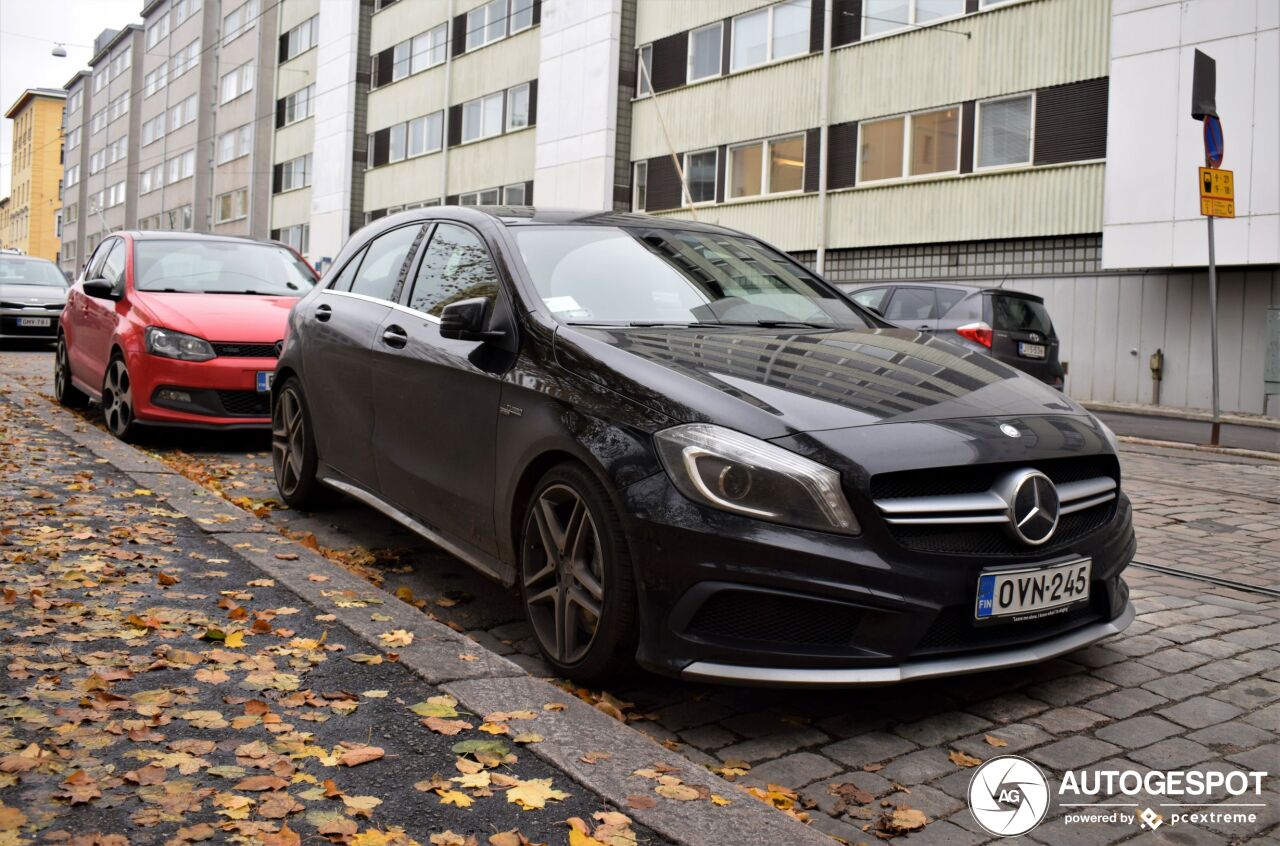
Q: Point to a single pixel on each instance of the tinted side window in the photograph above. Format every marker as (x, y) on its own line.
(98, 257)
(113, 266)
(948, 298)
(456, 266)
(383, 260)
(911, 304)
(871, 297)
(343, 280)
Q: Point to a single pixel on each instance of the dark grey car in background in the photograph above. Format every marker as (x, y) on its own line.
(684, 448)
(33, 292)
(1010, 325)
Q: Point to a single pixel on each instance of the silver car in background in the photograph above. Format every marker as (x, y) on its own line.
(33, 292)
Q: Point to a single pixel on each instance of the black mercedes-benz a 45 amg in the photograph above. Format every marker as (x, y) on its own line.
(686, 449)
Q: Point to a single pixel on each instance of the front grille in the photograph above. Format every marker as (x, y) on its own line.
(245, 403)
(954, 630)
(980, 477)
(926, 529)
(237, 350)
(774, 618)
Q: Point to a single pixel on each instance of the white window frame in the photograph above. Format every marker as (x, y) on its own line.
(509, 112)
(72, 176)
(401, 130)
(291, 102)
(512, 29)
(644, 72)
(912, 22)
(158, 30)
(156, 80)
(769, 57)
(479, 103)
(241, 143)
(977, 132)
(289, 174)
(427, 52)
(72, 138)
(686, 195)
(636, 205)
(243, 78)
(246, 18)
(184, 59)
(482, 32)
(688, 68)
(524, 197)
(908, 132)
(765, 145)
(294, 46)
(244, 210)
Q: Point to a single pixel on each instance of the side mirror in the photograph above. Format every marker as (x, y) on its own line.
(100, 288)
(466, 320)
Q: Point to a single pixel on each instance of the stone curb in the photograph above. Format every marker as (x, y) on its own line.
(482, 682)
(1256, 421)
(1235, 452)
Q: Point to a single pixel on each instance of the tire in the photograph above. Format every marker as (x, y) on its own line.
(576, 578)
(117, 400)
(65, 392)
(294, 459)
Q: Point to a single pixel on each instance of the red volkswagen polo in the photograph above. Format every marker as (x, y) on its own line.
(178, 329)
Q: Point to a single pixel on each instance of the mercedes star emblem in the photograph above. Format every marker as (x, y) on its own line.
(1033, 506)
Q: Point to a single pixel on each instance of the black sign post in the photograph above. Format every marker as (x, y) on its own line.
(1204, 107)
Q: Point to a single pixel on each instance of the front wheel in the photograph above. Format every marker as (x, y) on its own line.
(65, 392)
(293, 449)
(576, 578)
(117, 400)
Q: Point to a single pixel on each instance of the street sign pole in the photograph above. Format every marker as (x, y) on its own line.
(1215, 429)
(1204, 108)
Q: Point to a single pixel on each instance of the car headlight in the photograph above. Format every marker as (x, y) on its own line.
(171, 344)
(735, 472)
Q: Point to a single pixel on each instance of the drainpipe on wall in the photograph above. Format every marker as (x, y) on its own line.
(824, 119)
(448, 101)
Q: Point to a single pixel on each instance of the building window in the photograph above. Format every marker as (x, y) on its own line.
(115, 195)
(185, 59)
(425, 135)
(72, 176)
(518, 107)
(120, 62)
(71, 213)
(239, 81)
(770, 34)
(239, 21)
(911, 145)
(155, 80)
(118, 150)
(883, 16)
(183, 113)
(181, 167)
(1004, 131)
(234, 144)
(482, 118)
(296, 173)
(488, 197)
(486, 24)
(521, 19)
(158, 30)
(640, 187)
(400, 60)
(150, 179)
(429, 49)
(644, 71)
(75, 100)
(73, 138)
(514, 195)
(301, 38)
(119, 107)
(700, 174)
(704, 51)
(298, 237)
(399, 133)
(183, 9)
(153, 130)
(99, 80)
(233, 205)
(97, 161)
(775, 166)
(298, 105)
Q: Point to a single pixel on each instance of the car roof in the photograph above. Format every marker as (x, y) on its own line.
(22, 257)
(536, 215)
(952, 286)
(170, 235)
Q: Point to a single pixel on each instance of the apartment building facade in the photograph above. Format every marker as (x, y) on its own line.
(35, 205)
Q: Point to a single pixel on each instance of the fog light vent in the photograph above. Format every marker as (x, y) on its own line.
(170, 395)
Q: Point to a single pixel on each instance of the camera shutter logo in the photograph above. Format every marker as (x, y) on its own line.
(1008, 796)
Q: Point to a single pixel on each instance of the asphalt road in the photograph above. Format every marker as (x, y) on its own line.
(1192, 431)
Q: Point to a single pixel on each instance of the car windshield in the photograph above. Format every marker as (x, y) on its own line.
(596, 275)
(1021, 315)
(30, 271)
(220, 267)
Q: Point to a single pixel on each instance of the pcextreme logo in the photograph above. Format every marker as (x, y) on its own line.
(1009, 796)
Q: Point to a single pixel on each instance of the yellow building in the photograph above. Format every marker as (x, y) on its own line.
(4, 223)
(36, 167)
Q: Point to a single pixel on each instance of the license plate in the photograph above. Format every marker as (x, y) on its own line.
(264, 380)
(1019, 593)
(34, 322)
(1031, 350)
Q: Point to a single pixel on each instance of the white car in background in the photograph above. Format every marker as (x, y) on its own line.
(33, 292)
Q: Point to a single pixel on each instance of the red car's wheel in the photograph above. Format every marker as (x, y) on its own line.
(117, 400)
(64, 391)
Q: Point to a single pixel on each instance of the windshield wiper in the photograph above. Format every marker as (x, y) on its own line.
(773, 324)
(258, 293)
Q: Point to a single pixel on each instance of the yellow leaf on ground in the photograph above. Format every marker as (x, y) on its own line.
(534, 793)
(995, 741)
(960, 759)
(454, 797)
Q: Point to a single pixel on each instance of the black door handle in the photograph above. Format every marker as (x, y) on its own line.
(324, 311)
(394, 336)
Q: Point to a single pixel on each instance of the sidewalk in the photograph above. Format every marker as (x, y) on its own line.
(176, 674)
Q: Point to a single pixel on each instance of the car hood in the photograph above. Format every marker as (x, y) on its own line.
(218, 317)
(772, 383)
(11, 292)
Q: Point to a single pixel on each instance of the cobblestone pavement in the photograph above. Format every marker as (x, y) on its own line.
(1195, 681)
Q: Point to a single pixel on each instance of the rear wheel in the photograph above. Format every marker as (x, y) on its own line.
(64, 390)
(117, 400)
(576, 578)
(293, 450)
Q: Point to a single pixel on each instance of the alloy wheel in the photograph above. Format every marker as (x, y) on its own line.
(61, 370)
(563, 571)
(288, 441)
(117, 398)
